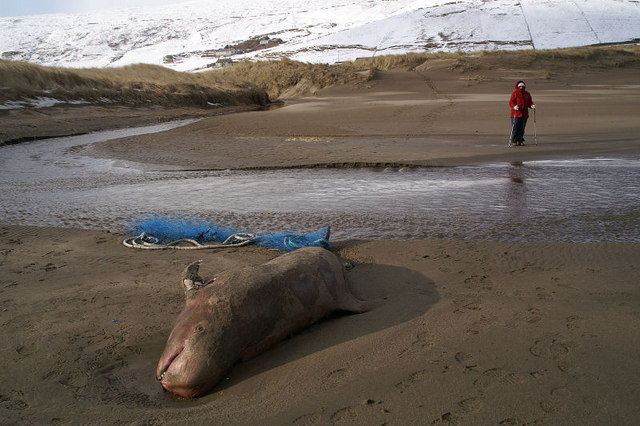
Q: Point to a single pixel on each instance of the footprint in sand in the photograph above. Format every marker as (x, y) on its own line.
(505, 377)
(484, 322)
(50, 267)
(573, 321)
(467, 302)
(544, 294)
(471, 405)
(533, 315)
(14, 241)
(308, 419)
(413, 378)
(345, 415)
(423, 340)
(335, 378)
(510, 421)
(355, 414)
(530, 316)
(557, 401)
(467, 360)
(448, 418)
(13, 400)
(465, 406)
(479, 282)
(25, 350)
(549, 346)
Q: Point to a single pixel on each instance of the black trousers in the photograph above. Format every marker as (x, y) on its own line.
(517, 129)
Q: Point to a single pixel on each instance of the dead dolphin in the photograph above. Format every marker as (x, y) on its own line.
(241, 313)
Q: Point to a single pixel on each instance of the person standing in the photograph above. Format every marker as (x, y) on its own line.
(520, 103)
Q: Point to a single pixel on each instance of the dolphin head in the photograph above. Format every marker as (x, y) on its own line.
(193, 361)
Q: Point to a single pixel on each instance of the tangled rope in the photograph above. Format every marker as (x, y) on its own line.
(148, 242)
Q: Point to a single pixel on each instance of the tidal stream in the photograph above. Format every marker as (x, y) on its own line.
(51, 183)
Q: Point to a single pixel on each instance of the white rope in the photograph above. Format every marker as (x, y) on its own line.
(148, 242)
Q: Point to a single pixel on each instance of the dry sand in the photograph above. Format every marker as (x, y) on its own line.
(461, 332)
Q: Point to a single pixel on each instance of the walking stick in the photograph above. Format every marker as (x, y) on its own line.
(513, 123)
(535, 131)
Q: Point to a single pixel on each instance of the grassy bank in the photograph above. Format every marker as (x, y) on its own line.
(287, 78)
(131, 85)
(555, 60)
(257, 82)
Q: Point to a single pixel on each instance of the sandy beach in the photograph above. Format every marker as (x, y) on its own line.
(461, 332)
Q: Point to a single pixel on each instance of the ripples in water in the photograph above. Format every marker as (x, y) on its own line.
(52, 183)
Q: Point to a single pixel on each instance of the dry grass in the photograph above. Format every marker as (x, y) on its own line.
(257, 82)
(134, 85)
(404, 62)
(245, 83)
(278, 76)
(556, 59)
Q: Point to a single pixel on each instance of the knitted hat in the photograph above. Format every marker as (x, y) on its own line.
(520, 83)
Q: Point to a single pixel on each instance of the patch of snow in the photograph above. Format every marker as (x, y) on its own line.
(45, 102)
(14, 105)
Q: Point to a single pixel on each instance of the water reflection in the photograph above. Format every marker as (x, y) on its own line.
(516, 192)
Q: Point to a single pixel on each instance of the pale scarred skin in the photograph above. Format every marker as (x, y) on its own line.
(240, 314)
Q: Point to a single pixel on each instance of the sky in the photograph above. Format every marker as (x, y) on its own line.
(36, 7)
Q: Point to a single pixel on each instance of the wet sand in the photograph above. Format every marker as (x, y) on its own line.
(460, 332)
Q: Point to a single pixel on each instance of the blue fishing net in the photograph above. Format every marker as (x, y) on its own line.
(167, 229)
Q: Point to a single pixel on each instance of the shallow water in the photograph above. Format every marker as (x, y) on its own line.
(51, 183)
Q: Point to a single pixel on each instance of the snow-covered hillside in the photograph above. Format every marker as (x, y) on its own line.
(197, 33)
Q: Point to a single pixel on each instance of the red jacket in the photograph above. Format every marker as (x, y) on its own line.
(522, 98)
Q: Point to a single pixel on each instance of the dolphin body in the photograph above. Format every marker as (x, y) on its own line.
(242, 313)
